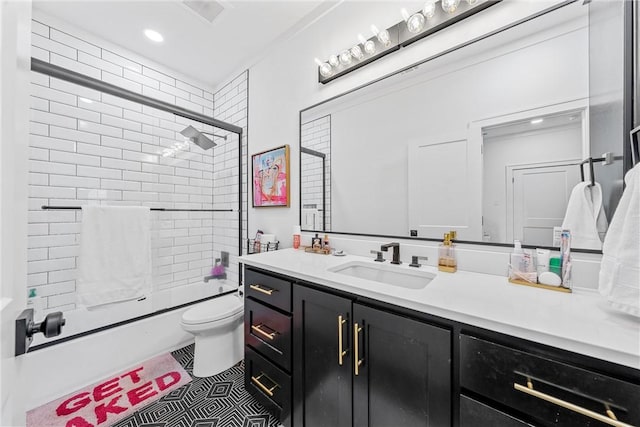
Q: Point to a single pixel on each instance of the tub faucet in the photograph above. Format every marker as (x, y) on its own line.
(396, 251)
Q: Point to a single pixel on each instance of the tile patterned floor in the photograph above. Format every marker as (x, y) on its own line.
(218, 401)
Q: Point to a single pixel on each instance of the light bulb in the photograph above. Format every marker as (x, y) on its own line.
(334, 61)
(450, 6)
(384, 38)
(345, 57)
(326, 70)
(356, 52)
(429, 9)
(369, 47)
(415, 23)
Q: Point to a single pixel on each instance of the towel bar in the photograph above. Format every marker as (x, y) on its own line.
(77, 208)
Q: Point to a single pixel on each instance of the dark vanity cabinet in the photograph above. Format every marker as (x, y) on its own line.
(322, 334)
(267, 326)
(319, 357)
(361, 366)
(538, 390)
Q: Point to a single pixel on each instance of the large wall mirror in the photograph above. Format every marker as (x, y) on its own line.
(487, 139)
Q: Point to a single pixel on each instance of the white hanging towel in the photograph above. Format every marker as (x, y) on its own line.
(115, 254)
(585, 216)
(620, 266)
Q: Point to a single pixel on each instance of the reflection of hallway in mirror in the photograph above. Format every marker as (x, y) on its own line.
(529, 170)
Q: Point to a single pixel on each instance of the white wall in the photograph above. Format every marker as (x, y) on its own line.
(285, 81)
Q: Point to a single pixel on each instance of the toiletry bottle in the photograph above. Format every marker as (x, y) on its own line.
(555, 266)
(325, 243)
(522, 266)
(296, 237)
(316, 242)
(516, 261)
(542, 260)
(257, 241)
(565, 258)
(446, 254)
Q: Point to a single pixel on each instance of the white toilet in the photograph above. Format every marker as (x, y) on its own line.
(218, 327)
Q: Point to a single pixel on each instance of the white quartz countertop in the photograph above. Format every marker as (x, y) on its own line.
(581, 321)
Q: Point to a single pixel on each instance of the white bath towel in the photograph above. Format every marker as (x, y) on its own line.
(115, 254)
(620, 266)
(585, 216)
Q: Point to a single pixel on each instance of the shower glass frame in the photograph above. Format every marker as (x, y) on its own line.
(61, 73)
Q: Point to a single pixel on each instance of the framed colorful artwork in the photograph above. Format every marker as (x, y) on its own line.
(271, 177)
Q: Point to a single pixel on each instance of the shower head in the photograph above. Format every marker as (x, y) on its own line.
(198, 138)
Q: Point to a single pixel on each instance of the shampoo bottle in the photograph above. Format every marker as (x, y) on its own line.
(447, 255)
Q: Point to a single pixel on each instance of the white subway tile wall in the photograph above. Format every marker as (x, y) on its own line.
(88, 147)
(230, 105)
(316, 135)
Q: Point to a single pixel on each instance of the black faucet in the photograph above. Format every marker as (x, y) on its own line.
(396, 251)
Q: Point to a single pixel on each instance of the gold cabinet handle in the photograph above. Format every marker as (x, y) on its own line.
(341, 352)
(256, 381)
(610, 420)
(356, 357)
(261, 289)
(258, 329)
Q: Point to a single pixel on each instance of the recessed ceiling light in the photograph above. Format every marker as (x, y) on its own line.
(153, 35)
(536, 121)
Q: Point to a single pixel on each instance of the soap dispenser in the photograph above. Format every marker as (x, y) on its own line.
(447, 255)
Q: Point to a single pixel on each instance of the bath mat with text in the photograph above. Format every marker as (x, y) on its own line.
(110, 400)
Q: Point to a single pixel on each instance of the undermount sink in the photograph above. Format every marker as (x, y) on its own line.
(385, 273)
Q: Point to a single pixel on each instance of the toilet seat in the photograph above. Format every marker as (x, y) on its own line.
(213, 310)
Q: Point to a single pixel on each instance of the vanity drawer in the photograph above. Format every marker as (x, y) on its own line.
(476, 414)
(268, 331)
(268, 384)
(551, 392)
(272, 290)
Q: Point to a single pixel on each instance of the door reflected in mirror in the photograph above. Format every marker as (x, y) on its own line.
(529, 170)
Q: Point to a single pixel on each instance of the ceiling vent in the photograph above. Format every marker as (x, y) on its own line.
(207, 9)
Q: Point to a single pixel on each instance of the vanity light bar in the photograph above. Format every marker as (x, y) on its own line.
(340, 68)
(399, 36)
